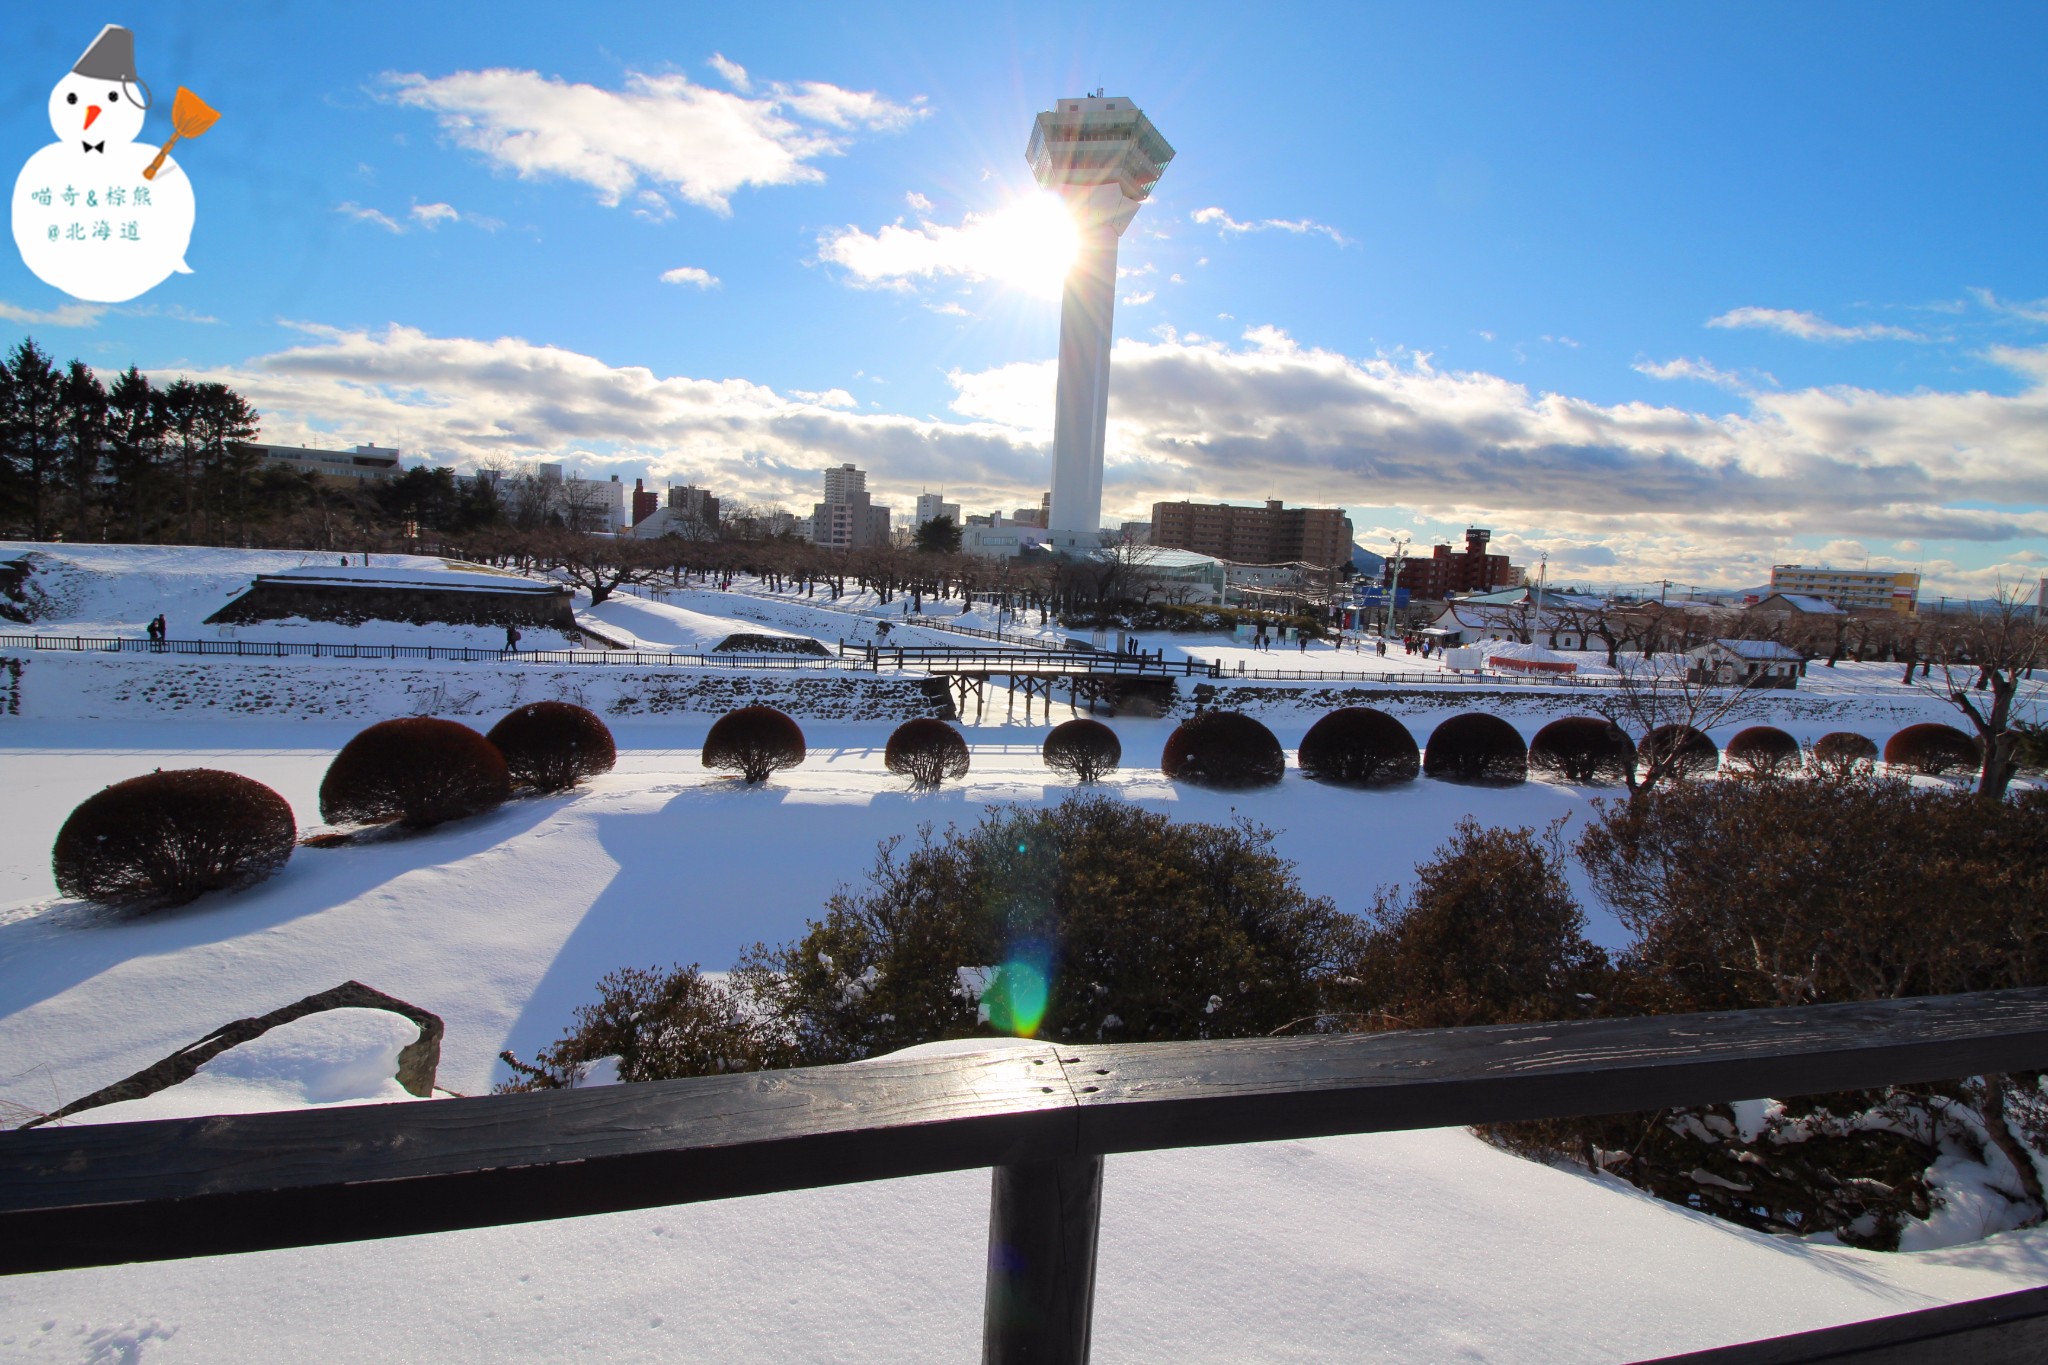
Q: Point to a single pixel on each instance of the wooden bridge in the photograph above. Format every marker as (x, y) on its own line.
(1090, 677)
(1043, 1116)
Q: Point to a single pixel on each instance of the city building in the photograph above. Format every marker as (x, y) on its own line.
(848, 519)
(1445, 572)
(1271, 534)
(932, 506)
(1851, 589)
(645, 502)
(364, 464)
(1102, 156)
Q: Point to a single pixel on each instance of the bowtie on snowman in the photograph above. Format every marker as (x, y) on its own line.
(98, 214)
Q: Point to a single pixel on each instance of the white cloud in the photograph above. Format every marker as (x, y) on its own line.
(1560, 341)
(2036, 311)
(1176, 279)
(1028, 241)
(917, 202)
(828, 398)
(702, 144)
(1646, 490)
(1224, 223)
(689, 274)
(1143, 296)
(731, 72)
(63, 315)
(1810, 326)
(431, 216)
(1695, 368)
(368, 215)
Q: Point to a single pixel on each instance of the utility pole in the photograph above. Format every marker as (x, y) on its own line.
(1394, 584)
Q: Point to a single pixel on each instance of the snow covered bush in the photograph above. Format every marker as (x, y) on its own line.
(1082, 749)
(1932, 749)
(1476, 747)
(553, 745)
(1223, 749)
(1748, 895)
(1357, 746)
(169, 837)
(1490, 933)
(1583, 749)
(1094, 920)
(1681, 750)
(1844, 754)
(926, 751)
(1762, 751)
(755, 741)
(655, 1026)
(417, 770)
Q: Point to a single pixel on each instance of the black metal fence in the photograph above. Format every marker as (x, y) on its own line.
(1042, 1116)
(282, 649)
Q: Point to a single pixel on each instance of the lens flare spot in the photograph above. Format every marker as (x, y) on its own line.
(1016, 999)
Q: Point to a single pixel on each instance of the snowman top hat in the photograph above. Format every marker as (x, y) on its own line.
(112, 58)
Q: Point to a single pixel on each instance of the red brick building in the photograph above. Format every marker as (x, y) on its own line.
(645, 503)
(1255, 535)
(1446, 572)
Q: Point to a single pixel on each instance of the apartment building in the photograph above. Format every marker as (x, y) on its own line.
(1271, 534)
(1850, 589)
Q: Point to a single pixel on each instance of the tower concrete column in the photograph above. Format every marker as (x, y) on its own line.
(1103, 156)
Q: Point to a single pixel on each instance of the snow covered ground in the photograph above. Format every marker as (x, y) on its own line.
(1417, 1246)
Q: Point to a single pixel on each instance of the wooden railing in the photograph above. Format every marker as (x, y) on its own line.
(1043, 1116)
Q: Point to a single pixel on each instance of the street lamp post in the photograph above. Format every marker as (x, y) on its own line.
(1400, 544)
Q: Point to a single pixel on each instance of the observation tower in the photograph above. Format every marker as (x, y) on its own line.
(1103, 156)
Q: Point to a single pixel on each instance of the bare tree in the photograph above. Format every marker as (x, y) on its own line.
(1651, 698)
(1984, 657)
(600, 565)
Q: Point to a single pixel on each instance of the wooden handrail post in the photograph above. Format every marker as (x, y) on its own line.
(1043, 1221)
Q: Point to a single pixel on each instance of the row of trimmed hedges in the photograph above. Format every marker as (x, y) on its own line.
(167, 838)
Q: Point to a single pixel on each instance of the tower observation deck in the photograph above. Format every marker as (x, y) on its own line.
(1103, 156)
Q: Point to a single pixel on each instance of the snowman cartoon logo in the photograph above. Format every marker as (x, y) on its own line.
(98, 214)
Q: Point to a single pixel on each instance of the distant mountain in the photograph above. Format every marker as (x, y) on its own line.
(1366, 562)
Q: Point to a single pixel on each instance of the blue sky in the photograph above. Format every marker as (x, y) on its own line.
(1662, 291)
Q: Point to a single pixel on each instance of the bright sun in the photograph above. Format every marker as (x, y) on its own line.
(1029, 244)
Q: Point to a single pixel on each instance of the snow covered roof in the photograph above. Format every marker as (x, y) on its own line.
(1800, 602)
(1759, 651)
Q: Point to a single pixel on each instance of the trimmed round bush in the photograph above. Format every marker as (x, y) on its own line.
(1932, 749)
(927, 751)
(1682, 750)
(1844, 753)
(1223, 749)
(169, 837)
(755, 742)
(1763, 751)
(1359, 747)
(553, 745)
(1585, 749)
(419, 771)
(1476, 747)
(1083, 749)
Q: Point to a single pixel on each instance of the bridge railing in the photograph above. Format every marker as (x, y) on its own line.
(1042, 1116)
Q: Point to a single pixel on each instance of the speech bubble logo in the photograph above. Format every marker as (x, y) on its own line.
(97, 214)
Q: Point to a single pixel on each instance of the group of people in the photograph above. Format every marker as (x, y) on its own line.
(159, 630)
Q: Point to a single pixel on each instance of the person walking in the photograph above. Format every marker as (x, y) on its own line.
(511, 638)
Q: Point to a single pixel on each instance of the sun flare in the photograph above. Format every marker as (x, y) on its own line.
(1029, 244)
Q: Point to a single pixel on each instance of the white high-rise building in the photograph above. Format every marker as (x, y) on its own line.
(847, 519)
(1103, 156)
(931, 506)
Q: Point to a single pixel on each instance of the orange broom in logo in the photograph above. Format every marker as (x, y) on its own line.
(190, 116)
